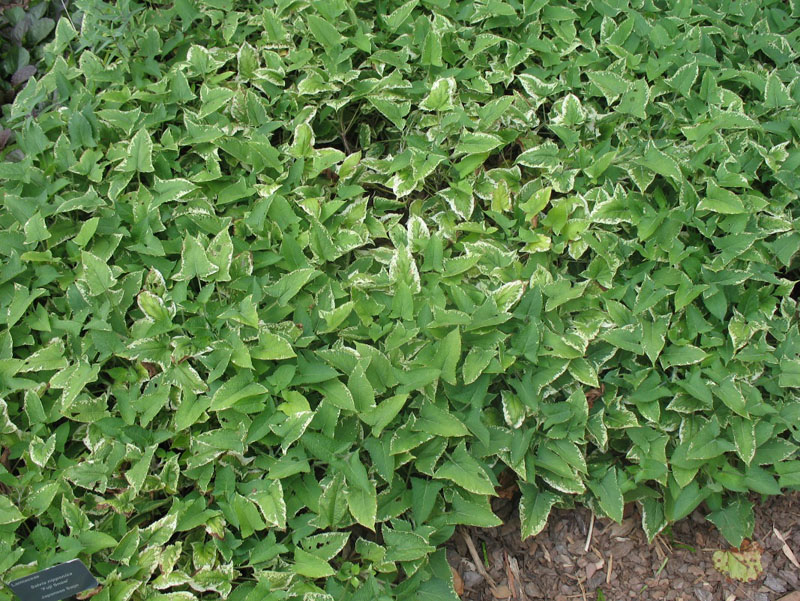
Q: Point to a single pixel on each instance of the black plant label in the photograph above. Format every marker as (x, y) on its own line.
(56, 583)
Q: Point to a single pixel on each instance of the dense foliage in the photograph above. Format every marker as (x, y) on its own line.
(22, 37)
(286, 286)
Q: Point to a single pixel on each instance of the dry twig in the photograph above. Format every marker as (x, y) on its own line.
(583, 590)
(589, 536)
(477, 560)
(515, 570)
(509, 574)
(787, 550)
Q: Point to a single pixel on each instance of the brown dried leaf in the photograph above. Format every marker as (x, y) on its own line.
(594, 394)
(508, 484)
(507, 493)
(787, 550)
(458, 583)
(90, 593)
(794, 596)
(152, 369)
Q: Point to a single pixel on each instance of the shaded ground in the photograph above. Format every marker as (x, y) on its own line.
(557, 566)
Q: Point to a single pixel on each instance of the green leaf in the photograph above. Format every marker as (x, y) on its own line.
(361, 389)
(654, 337)
(720, 200)
(235, 390)
(611, 85)
(287, 287)
(661, 163)
(272, 347)
(584, 372)
(653, 519)
(384, 412)
(96, 273)
(362, 500)
(474, 143)
(194, 261)
(311, 566)
(247, 515)
(470, 512)
(35, 229)
(684, 78)
(73, 379)
(272, 504)
(337, 394)
(687, 291)
(682, 355)
(325, 33)
(735, 521)
(65, 33)
(425, 493)
(744, 437)
(776, 95)
(728, 392)
(393, 110)
(86, 232)
(41, 451)
(464, 470)
(432, 50)
(42, 497)
(138, 471)
(514, 411)
(441, 96)
(439, 422)
(534, 509)
(609, 494)
(405, 546)
(94, 542)
(789, 373)
(50, 357)
(649, 295)
(303, 142)
(635, 100)
(680, 502)
(139, 153)
(399, 15)
(476, 361)
(20, 302)
(448, 356)
(9, 513)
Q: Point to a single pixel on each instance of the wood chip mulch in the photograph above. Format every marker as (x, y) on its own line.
(564, 562)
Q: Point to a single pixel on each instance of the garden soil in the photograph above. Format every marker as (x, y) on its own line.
(577, 558)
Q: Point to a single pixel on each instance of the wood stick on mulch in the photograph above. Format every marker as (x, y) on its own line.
(511, 583)
(786, 549)
(583, 590)
(589, 536)
(477, 560)
(515, 570)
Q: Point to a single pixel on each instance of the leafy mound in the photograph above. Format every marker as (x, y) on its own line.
(287, 286)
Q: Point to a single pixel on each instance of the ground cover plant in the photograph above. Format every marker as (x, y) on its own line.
(288, 288)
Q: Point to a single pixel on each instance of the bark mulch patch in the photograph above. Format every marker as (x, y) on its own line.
(564, 562)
